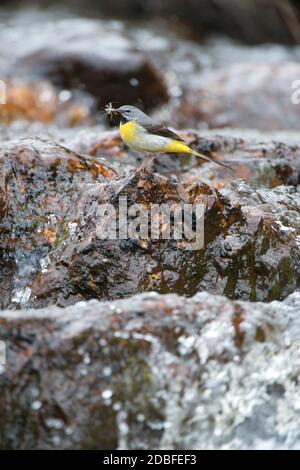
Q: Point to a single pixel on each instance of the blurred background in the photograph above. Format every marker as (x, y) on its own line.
(252, 21)
(201, 63)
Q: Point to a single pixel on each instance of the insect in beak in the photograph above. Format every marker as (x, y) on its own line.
(111, 112)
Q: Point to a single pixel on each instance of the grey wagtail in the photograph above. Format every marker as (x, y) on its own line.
(143, 134)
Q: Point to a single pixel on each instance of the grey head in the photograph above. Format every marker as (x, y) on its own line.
(131, 113)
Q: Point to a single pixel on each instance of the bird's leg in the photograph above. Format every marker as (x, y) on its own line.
(137, 172)
(145, 163)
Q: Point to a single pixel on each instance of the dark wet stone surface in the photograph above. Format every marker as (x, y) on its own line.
(50, 221)
(41, 184)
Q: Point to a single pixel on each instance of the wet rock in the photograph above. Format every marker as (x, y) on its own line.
(40, 188)
(261, 161)
(50, 200)
(251, 248)
(152, 372)
(87, 55)
(257, 96)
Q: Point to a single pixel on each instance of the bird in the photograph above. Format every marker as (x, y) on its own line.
(143, 134)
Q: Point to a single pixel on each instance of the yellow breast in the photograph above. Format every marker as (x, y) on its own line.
(128, 132)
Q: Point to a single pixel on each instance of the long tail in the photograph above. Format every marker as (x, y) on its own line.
(177, 146)
(211, 159)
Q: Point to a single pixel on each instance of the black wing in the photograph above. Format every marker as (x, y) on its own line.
(159, 129)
